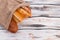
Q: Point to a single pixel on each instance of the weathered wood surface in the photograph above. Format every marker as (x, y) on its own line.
(44, 1)
(31, 35)
(44, 24)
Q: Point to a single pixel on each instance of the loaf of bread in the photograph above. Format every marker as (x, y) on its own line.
(13, 27)
(19, 15)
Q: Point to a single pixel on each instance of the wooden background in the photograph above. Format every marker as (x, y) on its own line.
(44, 24)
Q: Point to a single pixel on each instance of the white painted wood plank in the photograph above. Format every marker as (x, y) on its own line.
(42, 20)
(44, 1)
(50, 23)
(30, 35)
(45, 9)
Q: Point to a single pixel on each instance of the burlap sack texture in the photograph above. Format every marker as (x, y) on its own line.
(7, 8)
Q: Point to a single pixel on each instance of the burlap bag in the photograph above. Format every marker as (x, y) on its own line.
(7, 8)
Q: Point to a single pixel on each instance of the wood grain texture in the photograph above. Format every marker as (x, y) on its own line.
(44, 1)
(38, 27)
(30, 35)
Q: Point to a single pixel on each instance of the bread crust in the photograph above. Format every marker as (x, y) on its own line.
(19, 15)
(13, 27)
